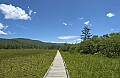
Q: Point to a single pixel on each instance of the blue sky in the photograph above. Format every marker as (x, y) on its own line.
(57, 20)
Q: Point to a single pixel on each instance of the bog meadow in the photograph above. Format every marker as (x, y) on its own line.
(59, 39)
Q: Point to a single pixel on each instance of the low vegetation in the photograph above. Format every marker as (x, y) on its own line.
(25, 63)
(91, 66)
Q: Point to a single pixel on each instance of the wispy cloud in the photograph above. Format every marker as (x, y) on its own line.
(76, 41)
(87, 22)
(2, 26)
(34, 12)
(110, 15)
(112, 29)
(71, 24)
(3, 33)
(65, 24)
(31, 11)
(67, 37)
(12, 12)
(80, 18)
(79, 39)
(53, 41)
(22, 27)
(57, 42)
(10, 32)
(1, 29)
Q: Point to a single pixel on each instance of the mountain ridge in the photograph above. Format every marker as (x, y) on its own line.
(26, 43)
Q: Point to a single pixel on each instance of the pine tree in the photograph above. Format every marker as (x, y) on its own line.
(85, 33)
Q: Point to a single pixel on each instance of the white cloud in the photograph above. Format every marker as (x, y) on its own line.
(57, 42)
(30, 11)
(53, 41)
(3, 33)
(2, 26)
(65, 24)
(79, 39)
(76, 41)
(110, 15)
(87, 22)
(90, 24)
(12, 12)
(34, 12)
(112, 29)
(67, 37)
(80, 18)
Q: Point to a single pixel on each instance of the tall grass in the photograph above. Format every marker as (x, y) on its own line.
(90, 66)
(25, 63)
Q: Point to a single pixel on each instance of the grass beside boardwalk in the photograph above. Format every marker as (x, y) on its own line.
(90, 66)
(25, 63)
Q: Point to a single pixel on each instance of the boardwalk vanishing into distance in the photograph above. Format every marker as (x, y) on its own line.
(57, 68)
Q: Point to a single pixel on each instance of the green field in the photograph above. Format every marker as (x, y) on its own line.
(25, 63)
(91, 66)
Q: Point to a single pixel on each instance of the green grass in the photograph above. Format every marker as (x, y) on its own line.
(25, 63)
(90, 66)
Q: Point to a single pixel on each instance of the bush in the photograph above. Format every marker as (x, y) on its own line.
(108, 45)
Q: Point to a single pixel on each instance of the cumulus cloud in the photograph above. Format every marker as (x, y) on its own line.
(65, 24)
(87, 22)
(110, 15)
(67, 37)
(12, 12)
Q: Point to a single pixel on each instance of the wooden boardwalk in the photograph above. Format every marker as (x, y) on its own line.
(57, 68)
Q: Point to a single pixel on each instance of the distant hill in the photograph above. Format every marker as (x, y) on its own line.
(23, 43)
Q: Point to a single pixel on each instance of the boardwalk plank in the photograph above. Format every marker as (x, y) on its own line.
(57, 69)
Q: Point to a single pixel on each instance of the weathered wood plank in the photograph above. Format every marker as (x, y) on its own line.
(57, 68)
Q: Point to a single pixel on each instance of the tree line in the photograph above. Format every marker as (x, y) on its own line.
(107, 45)
(21, 43)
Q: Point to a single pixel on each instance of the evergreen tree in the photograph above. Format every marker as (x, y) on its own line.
(85, 33)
